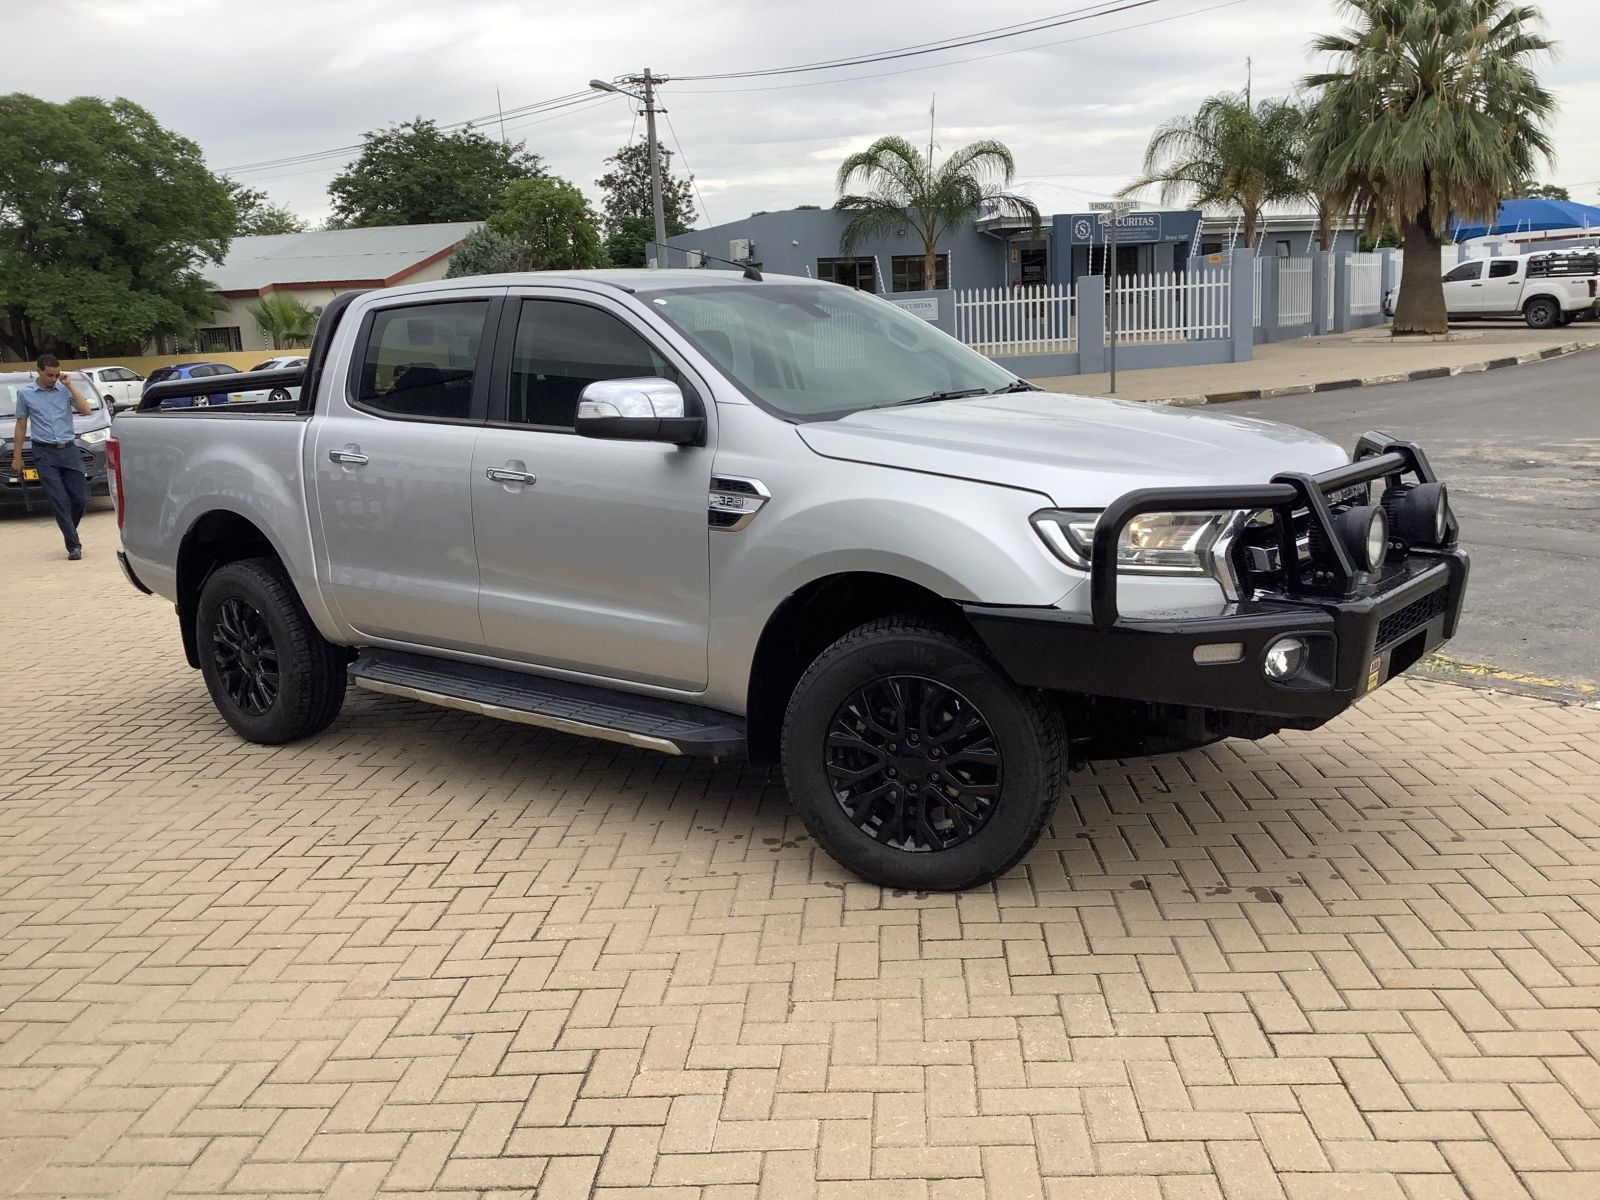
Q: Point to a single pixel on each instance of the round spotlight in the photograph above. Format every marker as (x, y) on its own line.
(1419, 515)
(1284, 659)
(1365, 533)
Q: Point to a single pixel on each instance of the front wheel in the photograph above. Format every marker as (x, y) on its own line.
(270, 673)
(278, 396)
(1542, 314)
(915, 762)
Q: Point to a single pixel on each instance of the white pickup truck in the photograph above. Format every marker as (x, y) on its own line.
(1547, 289)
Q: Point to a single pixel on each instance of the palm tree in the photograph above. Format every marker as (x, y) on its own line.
(1324, 200)
(285, 320)
(906, 190)
(1432, 111)
(1229, 155)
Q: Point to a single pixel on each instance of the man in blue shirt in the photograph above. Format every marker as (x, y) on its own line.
(47, 407)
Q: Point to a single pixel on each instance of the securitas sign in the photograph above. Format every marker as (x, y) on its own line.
(1090, 228)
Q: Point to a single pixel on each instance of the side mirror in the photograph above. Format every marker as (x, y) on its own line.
(638, 410)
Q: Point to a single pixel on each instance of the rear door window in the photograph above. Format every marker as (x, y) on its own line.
(420, 361)
(1500, 270)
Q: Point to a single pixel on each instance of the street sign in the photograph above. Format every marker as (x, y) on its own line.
(1112, 206)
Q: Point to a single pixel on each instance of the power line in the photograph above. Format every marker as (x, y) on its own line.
(1072, 17)
(954, 62)
(693, 182)
(320, 169)
(555, 102)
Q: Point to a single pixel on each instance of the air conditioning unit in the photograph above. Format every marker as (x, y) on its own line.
(693, 258)
(739, 249)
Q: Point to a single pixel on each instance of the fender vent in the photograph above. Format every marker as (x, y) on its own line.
(733, 502)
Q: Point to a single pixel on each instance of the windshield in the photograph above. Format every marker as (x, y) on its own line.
(815, 353)
(8, 398)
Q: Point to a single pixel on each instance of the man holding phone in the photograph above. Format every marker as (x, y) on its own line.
(47, 406)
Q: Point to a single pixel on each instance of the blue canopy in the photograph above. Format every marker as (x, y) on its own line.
(1534, 216)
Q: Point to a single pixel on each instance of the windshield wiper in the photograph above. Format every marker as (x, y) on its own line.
(1016, 385)
(931, 397)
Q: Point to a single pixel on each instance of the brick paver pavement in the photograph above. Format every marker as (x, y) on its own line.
(429, 953)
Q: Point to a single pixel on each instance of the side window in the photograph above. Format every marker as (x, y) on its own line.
(1467, 270)
(419, 360)
(560, 349)
(1500, 270)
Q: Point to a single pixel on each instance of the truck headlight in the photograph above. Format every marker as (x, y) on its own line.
(94, 436)
(1165, 543)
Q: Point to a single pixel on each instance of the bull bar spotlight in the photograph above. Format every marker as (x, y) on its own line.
(1419, 514)
(1364, 530)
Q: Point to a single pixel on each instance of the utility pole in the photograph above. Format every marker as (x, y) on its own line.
(1249, 71)
(648, 99)
(655, 167)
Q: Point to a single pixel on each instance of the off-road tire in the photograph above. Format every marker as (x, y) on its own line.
(1542, 313)
(1026, 728)
(311, 676)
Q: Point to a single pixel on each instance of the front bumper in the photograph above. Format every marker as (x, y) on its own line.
(1357, 644)
(1361, 628)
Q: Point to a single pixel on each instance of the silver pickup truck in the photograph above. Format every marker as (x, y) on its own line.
(710, 513)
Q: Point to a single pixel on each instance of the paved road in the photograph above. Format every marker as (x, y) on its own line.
(1521, 451)
(428, 955)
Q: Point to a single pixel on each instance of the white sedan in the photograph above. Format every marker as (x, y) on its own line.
(119, 385)
(277, 393)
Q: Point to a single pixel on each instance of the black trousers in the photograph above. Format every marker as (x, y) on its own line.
(65, 483)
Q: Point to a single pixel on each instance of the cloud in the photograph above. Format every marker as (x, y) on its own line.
(312, 76)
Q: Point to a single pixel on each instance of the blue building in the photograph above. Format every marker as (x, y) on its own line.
(991, 252)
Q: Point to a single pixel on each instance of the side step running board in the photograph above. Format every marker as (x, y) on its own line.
(644, 721)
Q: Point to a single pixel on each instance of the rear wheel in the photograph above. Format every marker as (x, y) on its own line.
(278, 395)
(270, 673)
(1542, 313)
(915, 762)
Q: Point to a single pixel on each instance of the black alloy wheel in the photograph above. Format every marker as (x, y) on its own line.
(913, 763)
(246, 657)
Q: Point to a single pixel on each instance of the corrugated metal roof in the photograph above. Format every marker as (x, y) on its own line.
(329, 255)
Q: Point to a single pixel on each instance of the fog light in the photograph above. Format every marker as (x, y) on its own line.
(1219, 652)
(1284, 659)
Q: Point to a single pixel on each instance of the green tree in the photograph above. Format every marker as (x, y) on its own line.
(255, 215)
(417, 174)
(105, 220)
(1432, 111)
(1542, 191)
(485, 252)
(626, 246)
(552, 223)
(1229, 155)
(906, 191)
(285, 321)
(627, 193)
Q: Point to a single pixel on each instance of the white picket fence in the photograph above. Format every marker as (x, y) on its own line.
(1034, 319)
(1364, 283)
(1168, 306)
(1294, 291)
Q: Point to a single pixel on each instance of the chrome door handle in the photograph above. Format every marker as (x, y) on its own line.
(347, 458)
(507, 475)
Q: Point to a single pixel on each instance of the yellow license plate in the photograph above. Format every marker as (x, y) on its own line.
(29, 475)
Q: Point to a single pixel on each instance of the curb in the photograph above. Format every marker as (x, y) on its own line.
(1339, 385)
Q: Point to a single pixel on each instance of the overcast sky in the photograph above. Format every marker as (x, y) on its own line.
(1075, 104)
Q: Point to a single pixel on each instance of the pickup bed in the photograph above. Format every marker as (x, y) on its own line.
(774, 519)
